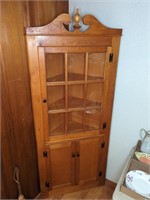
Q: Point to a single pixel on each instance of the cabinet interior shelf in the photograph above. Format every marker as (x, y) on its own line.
(75, 104)
(72, 127)
(89, 109)
(72, 78)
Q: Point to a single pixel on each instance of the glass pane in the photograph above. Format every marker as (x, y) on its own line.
(56, 97)
(94, 94)
(56, 124)
(75, 96)
(92, 119)
(55, 70)
(76, 66)
(75, 122)
(96, 64)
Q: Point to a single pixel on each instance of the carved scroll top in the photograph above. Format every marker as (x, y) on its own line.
(60, 26)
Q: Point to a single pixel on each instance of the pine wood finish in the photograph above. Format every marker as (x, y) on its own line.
(72, 82)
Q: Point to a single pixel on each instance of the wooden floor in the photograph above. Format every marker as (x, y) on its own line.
(101, 192)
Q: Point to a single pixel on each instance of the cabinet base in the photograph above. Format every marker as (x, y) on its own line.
(65, 190)
(69, 189)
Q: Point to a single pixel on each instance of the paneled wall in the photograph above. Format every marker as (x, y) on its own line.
(18, 145)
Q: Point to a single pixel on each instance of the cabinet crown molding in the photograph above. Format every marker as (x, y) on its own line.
(60, 25)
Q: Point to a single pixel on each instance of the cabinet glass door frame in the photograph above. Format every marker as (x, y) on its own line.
(74, 108)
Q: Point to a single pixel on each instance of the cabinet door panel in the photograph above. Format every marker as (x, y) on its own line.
(56, 124)
(96, 67)
(76, 96)
(94, 94)
(56, 97)
(75, 122)
(55, 70)
(76, 64)
(89, 159)
(62, 164)
(92, 119)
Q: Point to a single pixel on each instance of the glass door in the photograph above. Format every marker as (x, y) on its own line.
(74, 87)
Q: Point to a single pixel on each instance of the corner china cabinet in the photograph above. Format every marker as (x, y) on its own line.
(72, 75)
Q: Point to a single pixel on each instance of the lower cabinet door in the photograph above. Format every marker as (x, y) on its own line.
(88, 162)
(62, 164)
(75, 162)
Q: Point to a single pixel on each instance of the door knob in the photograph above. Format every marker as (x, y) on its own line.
(44, 100)
(73, 155)
(78, 155)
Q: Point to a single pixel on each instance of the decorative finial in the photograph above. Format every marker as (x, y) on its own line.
(77, 19)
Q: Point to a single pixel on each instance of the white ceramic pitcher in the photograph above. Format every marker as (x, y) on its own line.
(145, 136)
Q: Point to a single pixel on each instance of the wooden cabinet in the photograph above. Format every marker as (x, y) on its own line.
(72, 163)
(72, 83)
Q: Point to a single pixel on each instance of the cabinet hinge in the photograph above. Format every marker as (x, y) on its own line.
(45, 154)
(104, 125)
(47, 184)
(100, 173)
(103, 145)
(111, 55)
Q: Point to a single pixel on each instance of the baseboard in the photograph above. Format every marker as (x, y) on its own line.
(110, 183)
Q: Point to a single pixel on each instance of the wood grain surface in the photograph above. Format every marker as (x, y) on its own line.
(18, 146)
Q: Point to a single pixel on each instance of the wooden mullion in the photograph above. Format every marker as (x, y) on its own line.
(75, 109)
(85, 88)
(75, 82)
(57, 111)
(55, 83)
(66, 92)
(96, 81)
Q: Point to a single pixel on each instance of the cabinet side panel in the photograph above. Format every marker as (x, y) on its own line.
(109, 98)
(37, 106)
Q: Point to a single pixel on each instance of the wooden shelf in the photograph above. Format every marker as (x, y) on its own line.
(92, 104)
(58, 78)
(60, 130)
(57, 105)
(72, 127)
(73, 78)
(78, 127)
(94, 78)
(76, 104)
